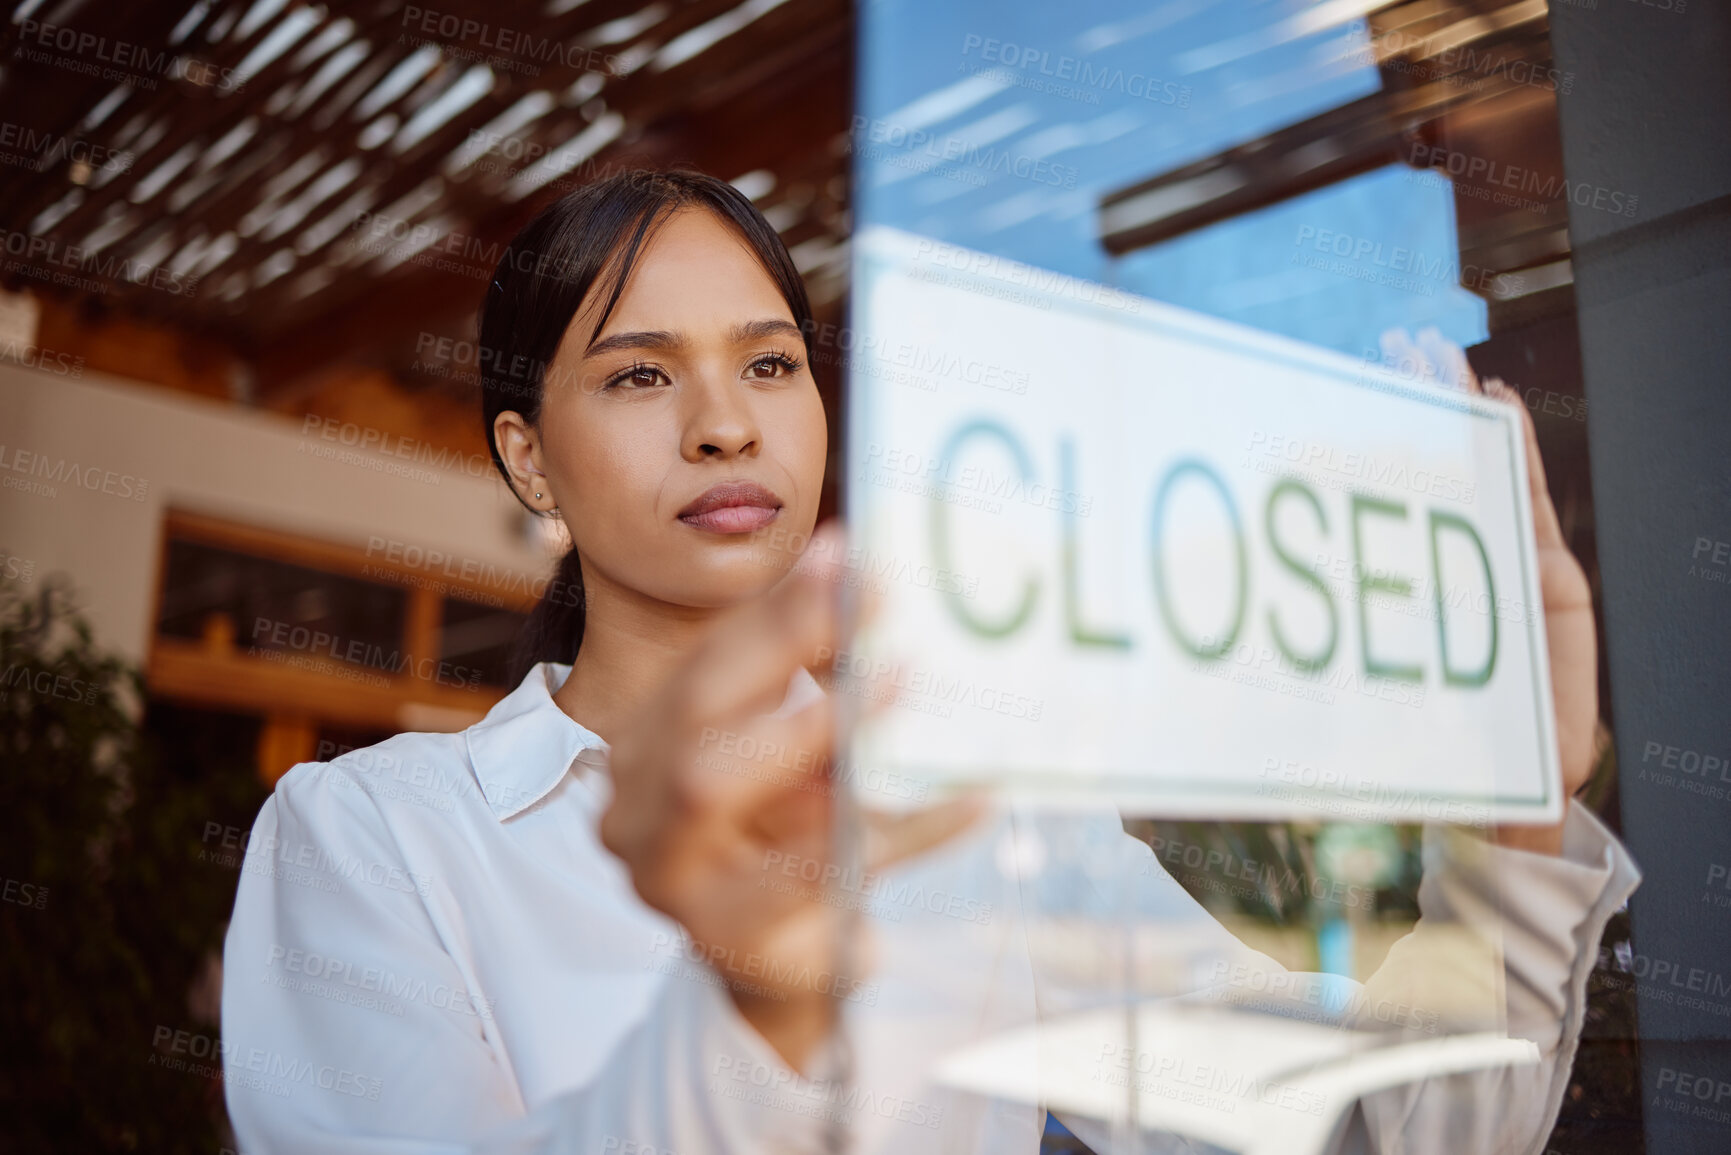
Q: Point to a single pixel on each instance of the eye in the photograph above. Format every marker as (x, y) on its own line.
(638, 376)
(773, 365)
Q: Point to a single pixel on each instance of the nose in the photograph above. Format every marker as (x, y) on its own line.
(718, 420)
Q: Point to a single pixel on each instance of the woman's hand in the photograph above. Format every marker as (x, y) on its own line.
(1562, 584)
(1568, 631)
(712, 797)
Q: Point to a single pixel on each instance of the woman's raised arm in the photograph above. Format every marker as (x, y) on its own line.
(1504, 944)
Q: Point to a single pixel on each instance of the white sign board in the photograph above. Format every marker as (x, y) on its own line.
(1129, 552)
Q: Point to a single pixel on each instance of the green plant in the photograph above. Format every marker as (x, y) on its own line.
(120, 920)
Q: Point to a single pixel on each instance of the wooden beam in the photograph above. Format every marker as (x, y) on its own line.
(1427, 76)
(481, 581)
(342, 695)
(284, 742)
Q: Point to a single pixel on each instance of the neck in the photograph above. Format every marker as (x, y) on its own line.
(632, 645)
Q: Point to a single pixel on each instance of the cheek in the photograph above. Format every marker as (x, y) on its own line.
(610, 478)
(806, 432)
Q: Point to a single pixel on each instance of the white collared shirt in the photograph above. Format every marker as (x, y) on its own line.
(431, 951)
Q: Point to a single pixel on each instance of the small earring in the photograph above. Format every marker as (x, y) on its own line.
(537, 497)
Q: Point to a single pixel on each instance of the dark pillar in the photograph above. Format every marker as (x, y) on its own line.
(1645, 108)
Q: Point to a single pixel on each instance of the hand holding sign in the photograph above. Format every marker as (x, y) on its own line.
(1569, 631)
(1567, 596)
(714, 795)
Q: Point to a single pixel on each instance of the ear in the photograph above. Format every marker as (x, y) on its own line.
(519, 445)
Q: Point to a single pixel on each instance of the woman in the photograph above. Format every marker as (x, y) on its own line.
(595, 931)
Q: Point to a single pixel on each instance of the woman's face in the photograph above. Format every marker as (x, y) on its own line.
(685, 446)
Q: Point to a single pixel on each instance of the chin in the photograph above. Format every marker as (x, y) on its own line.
(743, 574)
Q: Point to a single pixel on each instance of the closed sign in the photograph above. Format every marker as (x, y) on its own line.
(1126, 551)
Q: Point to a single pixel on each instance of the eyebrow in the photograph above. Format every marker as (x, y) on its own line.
(757, 330)
(662, 339)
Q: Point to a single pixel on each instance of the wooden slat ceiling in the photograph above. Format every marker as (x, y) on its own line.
(319, 181)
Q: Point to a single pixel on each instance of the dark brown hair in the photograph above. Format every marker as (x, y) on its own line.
(589, 239)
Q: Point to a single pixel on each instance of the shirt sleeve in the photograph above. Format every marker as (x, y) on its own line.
(1544, 915)
(312, 1067)
(1504, 942)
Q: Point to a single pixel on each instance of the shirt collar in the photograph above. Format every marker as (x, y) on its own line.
(526, 744)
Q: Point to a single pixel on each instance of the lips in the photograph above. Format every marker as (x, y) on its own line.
(732, 507)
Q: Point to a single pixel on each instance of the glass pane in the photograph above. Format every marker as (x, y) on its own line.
(1379, 188)
(478, 639)
(279, 607)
